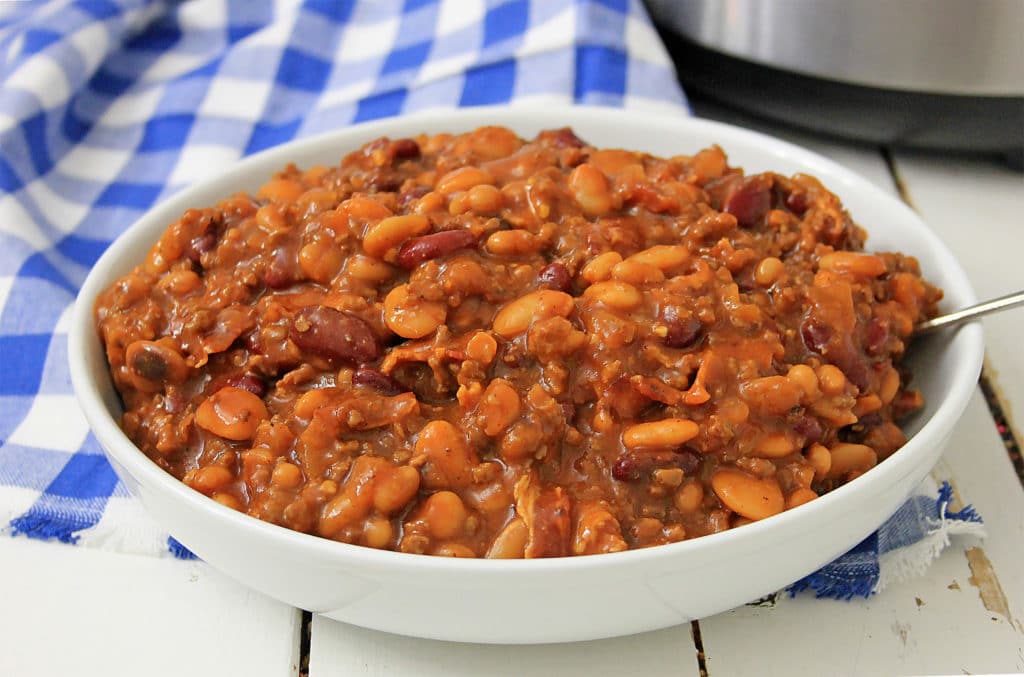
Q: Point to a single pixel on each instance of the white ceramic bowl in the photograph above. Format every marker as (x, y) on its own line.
(552, 600)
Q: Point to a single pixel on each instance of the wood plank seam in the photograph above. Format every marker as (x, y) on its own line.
(305, 640)
(698, 644)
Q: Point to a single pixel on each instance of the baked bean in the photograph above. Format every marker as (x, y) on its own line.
(745, 495)
(600, 267)
(231, 413)
(228, 501)
(772, 394)
(669, 432)
(516, 316)
(271, 219)
(689, 497)
(485, 200)
(498, 408)
(392, 231)
(668, 477)
(866, 405)
(520, 442)
(708, 164)
(286, 475)
(614, 294)
(774, 445)
(378, 532)
(310, 401)
(211, 478)
(510, 543)
(820, 459)
(482, 347)
(368, 269)
(365, 208)
(396, 489)
(180, 282)
(513, 243)
(637, 273)
(316, 201)
(664, 257)
(453, 550)
(448, 460)
(280, 190)
(831, 379)
(890, 386)
(591, 190)
(768, 271)
(847, 458)
(855, 263)
(799, 497)
(462, 179)
(320, 261)
(805, 379)
(431, 202)
(410, 317)
(444, 515)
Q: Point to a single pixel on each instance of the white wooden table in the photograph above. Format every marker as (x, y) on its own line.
(75, 611)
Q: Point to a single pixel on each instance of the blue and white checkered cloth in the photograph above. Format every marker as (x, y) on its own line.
(107, 106)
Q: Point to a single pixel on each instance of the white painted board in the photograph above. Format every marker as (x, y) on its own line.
(67, 610)
(337, 650)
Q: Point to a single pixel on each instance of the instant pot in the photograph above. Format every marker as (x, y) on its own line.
(927, 73)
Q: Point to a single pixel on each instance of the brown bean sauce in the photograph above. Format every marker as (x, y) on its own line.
(479, 346)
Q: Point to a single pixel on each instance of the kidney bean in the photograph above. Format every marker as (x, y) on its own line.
(815, 335)
(407, 197)
(383, 181)
(281, 271)
(554, 276)
(371, 378)
(426, 247)
(809, 428)
(404, 149)
(254, 384)
(876, 336)
(683, 332)
(199, 245)
(796, 202)
(872, 420)
(334, 335)
(635, 464)
(750, 200)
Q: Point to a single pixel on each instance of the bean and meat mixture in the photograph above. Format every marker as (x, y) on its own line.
(475, 345)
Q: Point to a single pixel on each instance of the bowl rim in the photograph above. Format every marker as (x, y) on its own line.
(346, 139)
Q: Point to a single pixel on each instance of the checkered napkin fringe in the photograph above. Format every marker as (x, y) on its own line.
(108, 106)
(902, 548)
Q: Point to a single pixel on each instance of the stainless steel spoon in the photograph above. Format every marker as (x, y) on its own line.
(970, 313)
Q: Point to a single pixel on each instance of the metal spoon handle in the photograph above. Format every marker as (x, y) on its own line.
(970, 313)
